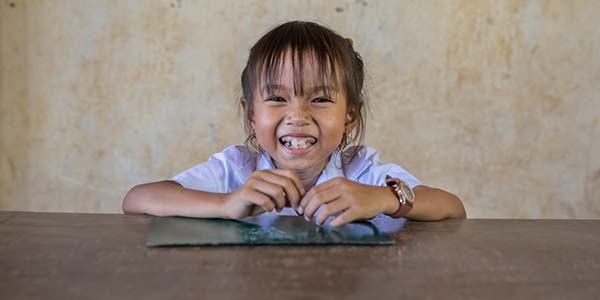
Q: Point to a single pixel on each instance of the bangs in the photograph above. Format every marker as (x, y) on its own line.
(312, 56)
(308, 67)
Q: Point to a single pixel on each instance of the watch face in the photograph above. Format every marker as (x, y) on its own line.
(408, 193)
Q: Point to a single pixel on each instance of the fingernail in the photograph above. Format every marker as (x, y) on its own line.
(306, 218)
(300, 210)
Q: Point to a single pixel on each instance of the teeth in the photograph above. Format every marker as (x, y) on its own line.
(298, 143)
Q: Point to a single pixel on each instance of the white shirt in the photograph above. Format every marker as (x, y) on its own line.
(226, 171)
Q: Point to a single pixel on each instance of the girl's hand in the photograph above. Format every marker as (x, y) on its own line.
(354, 201)
(264, 191)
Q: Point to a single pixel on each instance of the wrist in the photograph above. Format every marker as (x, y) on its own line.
(403, 194)
(390, 201)
(221, 206)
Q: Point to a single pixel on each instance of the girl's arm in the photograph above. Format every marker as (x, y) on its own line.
(264, 191)
(435, 204)
(169, 198)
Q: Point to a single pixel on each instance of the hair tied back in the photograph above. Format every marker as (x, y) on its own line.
(349, 40)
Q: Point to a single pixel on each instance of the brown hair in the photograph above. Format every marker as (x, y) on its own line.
(334, 55)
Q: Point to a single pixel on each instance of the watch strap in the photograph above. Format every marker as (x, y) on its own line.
(395, 186)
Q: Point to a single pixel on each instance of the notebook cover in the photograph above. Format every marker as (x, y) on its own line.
(260, 230)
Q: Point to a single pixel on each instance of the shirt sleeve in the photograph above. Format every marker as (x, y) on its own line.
(368, 169)
(202, 177)
(221, 173)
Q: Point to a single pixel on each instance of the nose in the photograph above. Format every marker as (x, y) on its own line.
(298, 115)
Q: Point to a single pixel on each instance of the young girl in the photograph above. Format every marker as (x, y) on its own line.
(305, 118)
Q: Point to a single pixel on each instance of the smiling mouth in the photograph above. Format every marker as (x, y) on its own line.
(294, 142)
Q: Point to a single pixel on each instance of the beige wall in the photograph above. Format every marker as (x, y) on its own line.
(496, 101)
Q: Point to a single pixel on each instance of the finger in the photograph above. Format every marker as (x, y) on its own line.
(344, 218)
(261, 200)
(257, 210)
(276, 184)
(319, 198)
(317, 189)
(292, 176)
(330, 209)
(273, 191)
(315, 194)
(290, 182)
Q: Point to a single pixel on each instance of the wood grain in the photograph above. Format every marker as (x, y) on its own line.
(101, 256)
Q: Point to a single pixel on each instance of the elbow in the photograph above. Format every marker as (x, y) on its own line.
(129, 204)
(148, 198)
(458, 211)
(433, 204)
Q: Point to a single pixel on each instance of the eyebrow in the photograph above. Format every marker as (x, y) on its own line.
(275, 87)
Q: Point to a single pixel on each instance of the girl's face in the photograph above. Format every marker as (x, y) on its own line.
(299, 132)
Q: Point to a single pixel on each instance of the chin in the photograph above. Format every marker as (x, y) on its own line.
(289, 165)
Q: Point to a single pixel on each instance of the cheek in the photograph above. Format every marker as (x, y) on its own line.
(335, 128)
(265, 125)
(264, 119)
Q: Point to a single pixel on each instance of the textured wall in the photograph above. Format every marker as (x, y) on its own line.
(496, 101)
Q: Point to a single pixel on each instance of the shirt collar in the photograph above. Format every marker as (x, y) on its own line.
(264, 162)
(332, 169)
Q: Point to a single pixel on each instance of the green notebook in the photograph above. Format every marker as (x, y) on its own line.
(260, 230)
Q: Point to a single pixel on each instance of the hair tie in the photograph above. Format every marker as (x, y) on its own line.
(349, 40)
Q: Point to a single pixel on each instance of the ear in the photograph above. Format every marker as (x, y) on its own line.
(244, 105)
(351, 120)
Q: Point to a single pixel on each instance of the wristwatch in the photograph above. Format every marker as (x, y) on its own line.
(404, 194)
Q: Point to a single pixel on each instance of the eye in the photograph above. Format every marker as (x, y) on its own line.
(322, 100)
(275, 99)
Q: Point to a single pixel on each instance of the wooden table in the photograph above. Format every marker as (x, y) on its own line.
(100, 256)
